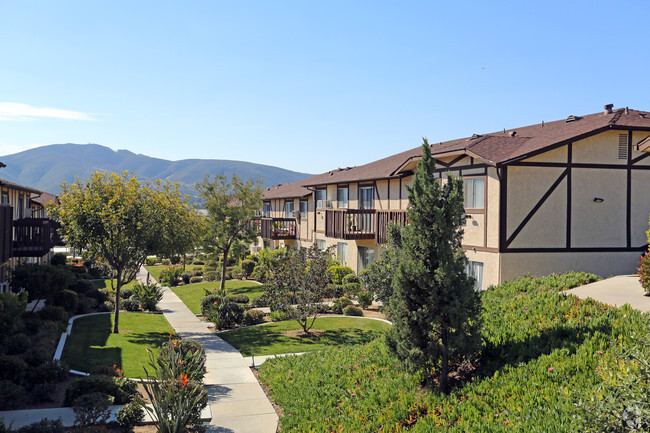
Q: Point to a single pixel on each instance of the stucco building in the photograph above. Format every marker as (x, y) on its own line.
(572, 194)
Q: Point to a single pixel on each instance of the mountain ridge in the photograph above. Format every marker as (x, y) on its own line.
(46, 167)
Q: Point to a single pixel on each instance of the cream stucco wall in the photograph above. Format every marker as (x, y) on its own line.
(599, 149)
(490, 265)
(492, 202)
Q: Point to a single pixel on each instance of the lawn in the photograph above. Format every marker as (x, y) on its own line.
(92, 343)
(106, 284)
(268, 339)
(543, 352)
(191, 294)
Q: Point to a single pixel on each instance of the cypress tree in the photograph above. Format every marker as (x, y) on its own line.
(434, 308)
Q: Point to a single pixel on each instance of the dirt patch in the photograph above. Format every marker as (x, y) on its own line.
(299, 333)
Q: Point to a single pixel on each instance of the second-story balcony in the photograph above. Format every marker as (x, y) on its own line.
(34, 237)
(361, 223)
(278, 228)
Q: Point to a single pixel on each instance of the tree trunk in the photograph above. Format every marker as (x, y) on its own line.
(223, 268)
(117, 302)
(444, 368)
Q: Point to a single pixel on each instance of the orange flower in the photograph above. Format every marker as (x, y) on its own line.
(183, 379)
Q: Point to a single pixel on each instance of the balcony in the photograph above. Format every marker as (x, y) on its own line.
(34, 237)
(361, 223)
(6, 227)
(278, 228)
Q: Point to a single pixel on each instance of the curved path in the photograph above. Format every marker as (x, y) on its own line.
(237, 400)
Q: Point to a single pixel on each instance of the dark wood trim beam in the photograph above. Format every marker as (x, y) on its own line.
(535, 208)
(455, 160)
(479, 248)
(577, 250)
(503, 205)
(465, 167)
(568, 194)
(628, 203)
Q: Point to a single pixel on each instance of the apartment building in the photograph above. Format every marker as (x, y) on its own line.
(27, 235)
(572, 194)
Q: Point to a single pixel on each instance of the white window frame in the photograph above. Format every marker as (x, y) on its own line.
(475, 269)
(342, 252)
(474, 195)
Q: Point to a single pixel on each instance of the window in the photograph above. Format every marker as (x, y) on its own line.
(303, 208)
(366, 197)
(21, 206)
(474, 189)
(267, 209)
(475, 269)
(5, 197)
(288, 209)
(320, 243)
(342, 197)
(342, 252)
(321, 198)
(366, 256)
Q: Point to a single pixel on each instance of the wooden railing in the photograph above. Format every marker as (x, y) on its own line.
(34, 237)
(361, 223)
(278, 228)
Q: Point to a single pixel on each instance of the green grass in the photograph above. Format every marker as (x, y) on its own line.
(92, 343)
(156, 270)
(542, 353)
(106, 284)
(268, 340)
(191, 294)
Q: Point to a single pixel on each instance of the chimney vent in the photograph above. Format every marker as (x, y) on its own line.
(513, 133)
(608, 108)
(627, 110)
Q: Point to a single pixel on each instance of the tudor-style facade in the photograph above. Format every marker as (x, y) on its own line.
(567, 195)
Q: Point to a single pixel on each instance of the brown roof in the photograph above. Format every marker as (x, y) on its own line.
(16, 186)
(287, 190)
(497, 148)
(43, 198)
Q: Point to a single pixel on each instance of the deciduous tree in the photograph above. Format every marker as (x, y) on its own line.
(231, 205)
(121, 220)
(434, 308)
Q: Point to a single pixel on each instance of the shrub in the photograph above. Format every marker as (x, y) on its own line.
(196, 279)
(150, 261)
(17, 344)
(81, 286)
(86, 305)
(365, 299)
(211, 276)
(166, 262)
(351, 278)
(106, 306)
(122, 390)
(340, 304)
(247, 266)
(253, 317)
(99, 295)
(48, 372)
(338, 272)
(351, 310)
(186, 276)
(191, 353)
(43, 426)
(37, 355)
(90, 409)
(104, 295)
(175, 260)
(147, 295)
(57, 314)
(67, 299)
(130, 304)
(130, 415)
(58, 259)
(352, 289)
(12, 395)
(262, 301)
(198, 262)
(237, 272)
(211, 264)
(171, 275)
(336, 290)
(230, 314)
(209, 303)
(238, 299)
(279, 316)
(12, 368)
(197, 272)
(126, 293)
(644, 272)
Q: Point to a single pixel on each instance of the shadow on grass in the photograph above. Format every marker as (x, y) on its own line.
(496, 357)
(152, 339)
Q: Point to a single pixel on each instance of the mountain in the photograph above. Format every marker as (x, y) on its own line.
(46, 167)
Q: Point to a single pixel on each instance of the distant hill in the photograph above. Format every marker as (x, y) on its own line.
(46, 167)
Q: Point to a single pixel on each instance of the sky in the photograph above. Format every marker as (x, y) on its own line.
(308, 85)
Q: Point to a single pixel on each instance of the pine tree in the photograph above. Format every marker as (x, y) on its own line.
(434, 308)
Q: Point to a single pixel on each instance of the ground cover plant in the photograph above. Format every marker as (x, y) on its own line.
(192, 294)
(157, 269)
(269, 340)
(542, 350)
(91, 343)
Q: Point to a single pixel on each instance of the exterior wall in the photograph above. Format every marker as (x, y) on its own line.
(491, 269)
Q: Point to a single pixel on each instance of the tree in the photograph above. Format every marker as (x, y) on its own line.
(434, 308)
(378, 276)
(120, 220)
(231, 204)
(301, 281)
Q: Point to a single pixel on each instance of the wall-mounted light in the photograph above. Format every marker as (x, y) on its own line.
(599, 200)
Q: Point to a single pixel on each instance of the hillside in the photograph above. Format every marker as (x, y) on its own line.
(46, 167)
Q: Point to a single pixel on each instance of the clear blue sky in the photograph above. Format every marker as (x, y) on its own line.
(307, 85)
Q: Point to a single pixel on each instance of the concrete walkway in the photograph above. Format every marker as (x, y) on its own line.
(236, 398)
(616, 291)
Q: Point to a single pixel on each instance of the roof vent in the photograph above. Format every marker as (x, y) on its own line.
(627, 110)
(571, 118)
(608, 108)
(513, 133)
(474, 137)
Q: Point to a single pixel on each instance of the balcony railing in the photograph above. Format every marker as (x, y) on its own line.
(6, 229)
(278, 228)
(34, 237)
(361, 223)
